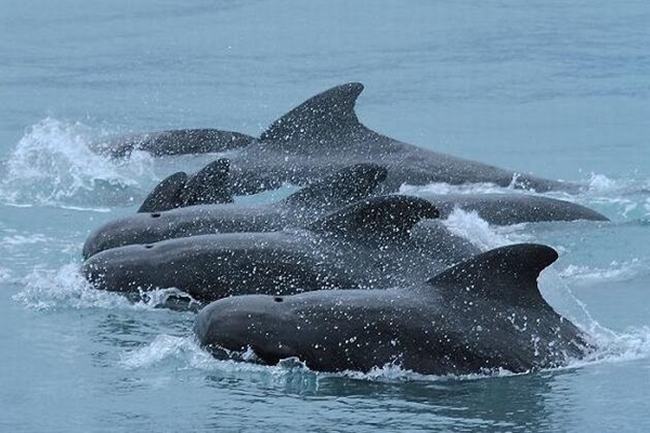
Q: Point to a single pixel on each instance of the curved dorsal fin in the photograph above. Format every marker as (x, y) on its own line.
(508, 274)
(166, 195)
(386, 217)
(341, 188)
(211, 184)
(322, 118)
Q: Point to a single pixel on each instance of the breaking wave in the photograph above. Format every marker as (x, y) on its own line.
(54, 164)
(66, 288)
(472, 227)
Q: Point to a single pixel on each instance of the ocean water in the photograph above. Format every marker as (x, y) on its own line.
(558, 88)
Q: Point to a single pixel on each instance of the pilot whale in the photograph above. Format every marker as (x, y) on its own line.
(323, 134)
(302, 207)
(481, 315)
(512, 208)
(369, 244)
(174, 142)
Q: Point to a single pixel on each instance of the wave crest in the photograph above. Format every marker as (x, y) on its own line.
(54, 164)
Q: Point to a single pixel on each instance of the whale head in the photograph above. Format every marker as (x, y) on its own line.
(256, 322)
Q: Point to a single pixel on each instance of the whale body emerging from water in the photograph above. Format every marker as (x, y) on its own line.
(323, 134)
(374, 243)
(512, 208)
(299, 209)
(174, 142)
(344, 187)
(483, 314)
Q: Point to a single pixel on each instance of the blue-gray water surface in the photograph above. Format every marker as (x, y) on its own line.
(558, 88)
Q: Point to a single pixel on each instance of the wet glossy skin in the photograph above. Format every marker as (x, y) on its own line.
(485, 313)
(372, 244)
(332, 192)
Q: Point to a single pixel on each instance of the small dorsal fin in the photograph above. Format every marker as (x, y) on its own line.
(386, 217)
(166, 195)
(321, 119)
(508, 274)
(211, 184)
(341, 188)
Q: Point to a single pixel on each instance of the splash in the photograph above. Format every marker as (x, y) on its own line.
(165, 347)
(66, 288)
(614, 272)
(601, 183)
(54, 164)
(183, 352)
(63, 288)
(630, 345)
(472, 227)
(470, 188)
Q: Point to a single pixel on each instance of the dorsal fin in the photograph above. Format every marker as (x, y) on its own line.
(386, 217)
(321, 119)
(166, 195)
(341, 188)
(211, 184)
(507, 273)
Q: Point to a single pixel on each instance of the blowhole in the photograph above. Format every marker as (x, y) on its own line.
(155, 215)
(148, 246)
(278, 299)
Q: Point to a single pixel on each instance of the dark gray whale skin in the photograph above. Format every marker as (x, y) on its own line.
(209, 185)
(515, 208)
(320, 136)
(372, 243)
(175, 142)
(313, 201)
(324, 133)
(483, 314)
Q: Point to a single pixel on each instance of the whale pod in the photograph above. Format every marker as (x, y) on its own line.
(339, 189)
(317, 138)
(367, 244)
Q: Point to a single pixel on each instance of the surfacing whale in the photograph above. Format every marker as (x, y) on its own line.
(481, 315)
(299, 209)
(372, 243)
(324, 132)
(512, 208)
(174, 142)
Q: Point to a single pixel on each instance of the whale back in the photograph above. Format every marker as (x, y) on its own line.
(378, 218)
(209, 185)
(341, 188)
